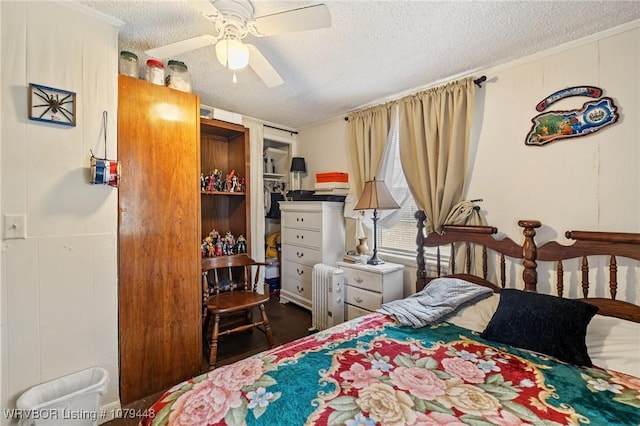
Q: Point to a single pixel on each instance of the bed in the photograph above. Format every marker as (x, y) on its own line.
(460, 368)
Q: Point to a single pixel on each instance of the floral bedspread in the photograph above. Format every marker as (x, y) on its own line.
(371, 371)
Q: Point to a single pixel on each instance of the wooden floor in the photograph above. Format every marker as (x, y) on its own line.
(288, 323)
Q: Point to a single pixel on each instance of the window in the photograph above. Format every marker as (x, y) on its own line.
(400, 238)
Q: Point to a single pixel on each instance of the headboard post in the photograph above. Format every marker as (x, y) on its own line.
(421, 275)
(529, 254)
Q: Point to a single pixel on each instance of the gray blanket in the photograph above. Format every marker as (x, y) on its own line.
(439, 298)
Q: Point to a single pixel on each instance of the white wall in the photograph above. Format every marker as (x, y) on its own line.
(59, 285)
(585, 183)
(324, 150)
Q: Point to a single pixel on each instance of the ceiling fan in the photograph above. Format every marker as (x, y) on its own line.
(233, 20)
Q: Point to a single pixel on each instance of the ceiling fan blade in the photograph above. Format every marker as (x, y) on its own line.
(178, 47)
(263, 68)
(207, 9)
(306, 18)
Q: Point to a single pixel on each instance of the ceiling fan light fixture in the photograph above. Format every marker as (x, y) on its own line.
(232, 53)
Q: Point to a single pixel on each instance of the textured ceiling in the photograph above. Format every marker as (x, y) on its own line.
(372, 51)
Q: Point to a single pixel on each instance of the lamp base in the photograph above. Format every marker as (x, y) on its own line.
(375, 260)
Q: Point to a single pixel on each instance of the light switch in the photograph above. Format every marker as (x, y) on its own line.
(15, 226)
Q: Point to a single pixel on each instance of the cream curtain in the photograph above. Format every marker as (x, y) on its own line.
(434, 142)
(256, 143)
(366, 136)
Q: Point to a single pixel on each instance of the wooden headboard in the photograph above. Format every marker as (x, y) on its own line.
(463, 239)
(590, 245)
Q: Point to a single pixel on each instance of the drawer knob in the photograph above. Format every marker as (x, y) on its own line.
(299, 271)
(300, 237)
(300, 255)
(357, 299)
(300, 289)
(358, 280)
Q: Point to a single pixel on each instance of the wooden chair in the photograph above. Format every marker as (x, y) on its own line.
(233, 271)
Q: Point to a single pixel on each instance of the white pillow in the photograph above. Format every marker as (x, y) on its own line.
(612, 343)
(475, 316)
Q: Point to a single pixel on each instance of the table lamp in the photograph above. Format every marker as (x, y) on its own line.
(376, 196)
(297, 166)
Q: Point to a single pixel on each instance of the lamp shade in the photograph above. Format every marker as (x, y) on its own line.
(298, 165)
(232, 53)
(376, 196)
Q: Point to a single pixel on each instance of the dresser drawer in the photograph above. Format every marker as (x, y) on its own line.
(354, 312)
(298, 271)
(296, 289)
(304, 237)
(363, 279)
(299, 254)
(307, 220)
(362, 298)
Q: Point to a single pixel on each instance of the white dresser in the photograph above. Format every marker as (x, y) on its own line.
(366, 287)
(310, 232)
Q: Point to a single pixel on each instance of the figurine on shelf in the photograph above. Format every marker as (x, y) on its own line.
(202, 182)
(229, 243)
(207, 246)
(230, 180)
(214, 235)
(210, 182)
(218, 251)
(219, 182)
(235, 184)
(211, 185)
(241, 244)
(243, 185)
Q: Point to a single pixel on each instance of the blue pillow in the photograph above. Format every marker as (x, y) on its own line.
(543, 323)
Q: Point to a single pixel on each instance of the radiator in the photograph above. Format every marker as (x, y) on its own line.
(327, 304)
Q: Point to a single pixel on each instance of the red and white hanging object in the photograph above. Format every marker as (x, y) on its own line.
(104, 171)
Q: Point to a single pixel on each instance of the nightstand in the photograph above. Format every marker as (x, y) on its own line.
(366, 287)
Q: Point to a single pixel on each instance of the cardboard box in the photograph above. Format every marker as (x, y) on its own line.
(206, 111)
(331, 185)
(210, 112)
(228, 116)
(332, 177)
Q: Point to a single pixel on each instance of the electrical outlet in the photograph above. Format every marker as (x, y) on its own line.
(15, 226)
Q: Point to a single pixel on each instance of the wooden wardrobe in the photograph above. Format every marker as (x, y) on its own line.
(159, 237)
